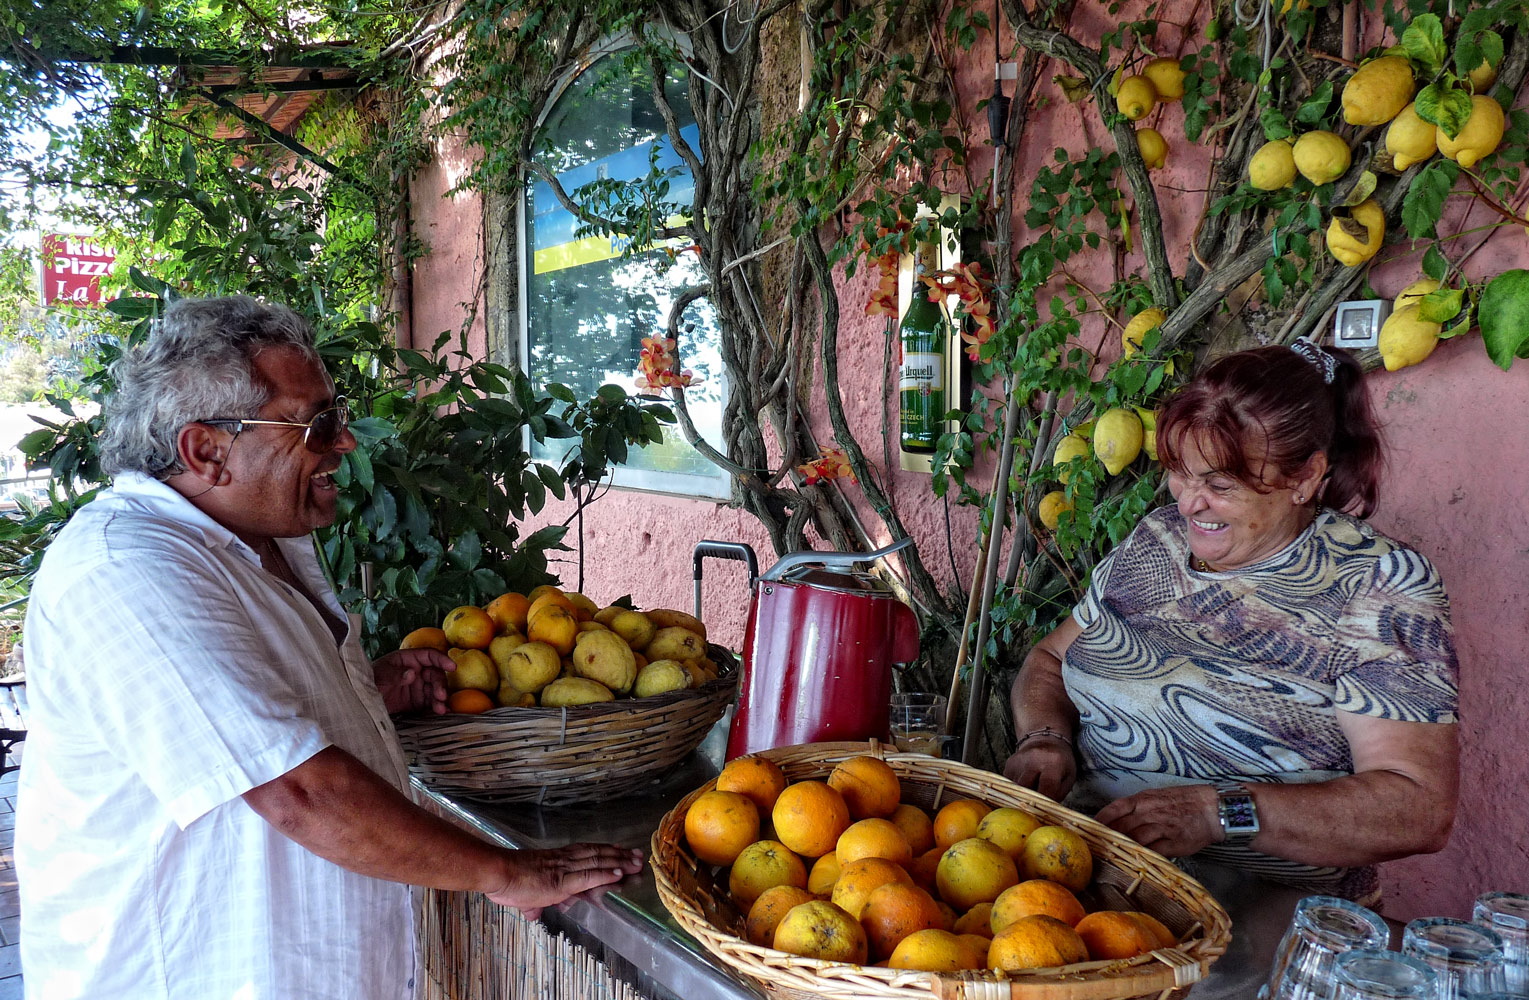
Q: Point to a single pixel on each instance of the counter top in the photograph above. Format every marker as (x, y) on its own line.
(631, 920)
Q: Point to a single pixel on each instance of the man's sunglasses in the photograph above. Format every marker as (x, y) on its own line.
(320, 434)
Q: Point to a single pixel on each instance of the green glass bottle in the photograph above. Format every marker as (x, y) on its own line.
(924, 339)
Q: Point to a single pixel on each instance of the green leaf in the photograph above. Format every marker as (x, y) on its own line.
(611, 393)
(1275, 125)
(466, 551)
(561, 392)
(1424, 201)
(1424, 41)
(1446, 107)
(360, 464)
(370, 430)
(1504, 316)
(1435, 265)
(1441, 306)
(1314, 108)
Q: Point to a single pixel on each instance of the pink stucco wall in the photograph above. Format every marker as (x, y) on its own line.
(1455, 489)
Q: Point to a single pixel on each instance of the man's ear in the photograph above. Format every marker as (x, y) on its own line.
(203, 450)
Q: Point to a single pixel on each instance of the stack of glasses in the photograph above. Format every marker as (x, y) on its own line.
(1336, 950)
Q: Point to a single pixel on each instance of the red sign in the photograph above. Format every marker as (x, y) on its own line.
(72, 269)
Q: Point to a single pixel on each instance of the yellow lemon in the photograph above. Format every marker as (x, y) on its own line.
(1070, 447)
(1117, 439)
(1141, 324)
(1410, 139)
(1052, 506)
(1321, 157)
(1414, 292)
(565, 692)
(1135, 97)
(1302, 5)
(1167, 79)
(1153, 147)
(1378, 91)
(1479, 136)
(474, 670)
(1407, 339)
(1148, 431)
(1482, 77)
(1350, 251)
(1273, 166)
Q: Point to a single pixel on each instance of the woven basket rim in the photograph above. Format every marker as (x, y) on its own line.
(800, 973)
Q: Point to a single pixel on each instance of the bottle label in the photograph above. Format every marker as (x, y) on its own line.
(923, 372)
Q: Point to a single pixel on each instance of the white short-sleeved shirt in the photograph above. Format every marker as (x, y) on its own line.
(167, 674)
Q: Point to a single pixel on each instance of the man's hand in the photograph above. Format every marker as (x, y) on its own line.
(544, 878)
(1046, 765)
(1173, 822)
(413, 679)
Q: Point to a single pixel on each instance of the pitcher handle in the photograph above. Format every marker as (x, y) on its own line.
(831, 560)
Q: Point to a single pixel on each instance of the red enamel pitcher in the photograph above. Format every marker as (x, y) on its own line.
(818, 650)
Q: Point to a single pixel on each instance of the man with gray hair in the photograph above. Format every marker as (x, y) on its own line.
(213, 799)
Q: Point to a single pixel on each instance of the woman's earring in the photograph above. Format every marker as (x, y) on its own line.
(1299, 498)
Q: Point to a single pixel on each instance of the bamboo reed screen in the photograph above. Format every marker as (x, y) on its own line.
(475, 949)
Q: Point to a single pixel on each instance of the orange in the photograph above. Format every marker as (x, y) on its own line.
(550, 600)
(958, 820)
(858, 879)
(583, 608)
(469, 701)
(509, 611)
(1037, 895)
(1057, 853)
(475, 669)
(809, 816)
(469, 627)
(869, 786)
(915, 825)
(873, 838)
(825, 872)
(924, 868)
(760, 778)
(555, 626)
(719, 825)
(1110, 934)
(934, 951)
(947, 914)
(1008, 828)
(817, 929)
(977, 920)
(541, 589)
(1038, 942)
(1165, 937)
(979, 946)
(974, 871)
(895, 910)
(768, 910)
(425, 638)
(762, 865)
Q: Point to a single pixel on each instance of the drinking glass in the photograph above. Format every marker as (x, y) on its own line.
(1507, 913)
(1375, 974)
(1323, 928)
(916, 721)
(1467, 957)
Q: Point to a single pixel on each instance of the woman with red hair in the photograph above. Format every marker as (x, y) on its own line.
(1256, 675)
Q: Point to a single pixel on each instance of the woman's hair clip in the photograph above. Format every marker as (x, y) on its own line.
(1314, 354)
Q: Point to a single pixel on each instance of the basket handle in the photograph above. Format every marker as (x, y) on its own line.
(1173, 970)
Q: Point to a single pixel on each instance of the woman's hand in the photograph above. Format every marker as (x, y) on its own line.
(544, 878)
(1044, 763)
(1173, 822)
(413, 679)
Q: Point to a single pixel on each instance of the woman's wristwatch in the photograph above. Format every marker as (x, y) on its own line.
(1237, 811)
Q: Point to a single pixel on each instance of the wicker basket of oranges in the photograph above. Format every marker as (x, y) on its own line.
(875, 873)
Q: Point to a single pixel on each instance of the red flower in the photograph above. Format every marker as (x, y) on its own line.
(833, 464)
(656, 368)
(974, 290)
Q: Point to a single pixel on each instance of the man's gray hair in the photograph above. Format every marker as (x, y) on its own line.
(197, 364)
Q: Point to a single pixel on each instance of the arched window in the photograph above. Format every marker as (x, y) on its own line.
(586, 307)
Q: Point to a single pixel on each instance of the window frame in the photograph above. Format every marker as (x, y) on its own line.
(717, 487)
